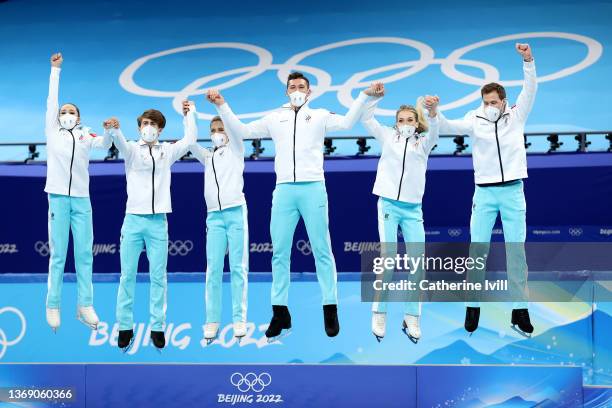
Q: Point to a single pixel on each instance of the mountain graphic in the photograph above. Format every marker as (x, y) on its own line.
(458, 352)
(473, 403)
(338, 358)
(514, 402)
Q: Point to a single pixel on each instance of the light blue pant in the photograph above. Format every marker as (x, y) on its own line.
(289, 202)
(65, 214)
(391, 215)
(151, 232)
(229, 226)
(509, 200)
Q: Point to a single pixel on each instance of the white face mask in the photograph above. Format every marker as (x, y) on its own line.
(68, 121)
(297, 98)
(492, 113)
(218, 139)
(406, 130)
(149, 133)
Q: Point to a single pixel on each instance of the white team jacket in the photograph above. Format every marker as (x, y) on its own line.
(298, 136)
(403, 161)
(147, 170)
(223, 168)
(498, 148)
(67, 150)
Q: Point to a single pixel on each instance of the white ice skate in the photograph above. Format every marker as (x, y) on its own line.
(239, 330)
(87, 315)
(53, 318)
(379, 325)
(211, 332)
(411, 328)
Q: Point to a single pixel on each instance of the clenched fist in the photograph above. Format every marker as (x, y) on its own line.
(525, 51)
(214, 96)
(56, 60)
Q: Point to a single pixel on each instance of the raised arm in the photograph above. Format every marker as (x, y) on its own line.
(525, 100)
(190, 137)
(256, 129)
(433, 134)
(53, 97)
(369, 122)
(112, 129)
(337, 122)
(103, 142)
(455, 126)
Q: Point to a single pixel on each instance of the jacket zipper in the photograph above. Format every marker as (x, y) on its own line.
(71, 161)
(501, 166)
(152, 180)
(399, 190)
(216, 181)
(294, 129)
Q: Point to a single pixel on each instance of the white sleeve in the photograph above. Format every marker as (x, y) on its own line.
(103, 142)
(337, 122)
(525, 100)
(125, 148)
(199, 152)
(371, 125)
(256, 129)
(52, 102)
(180, 148)
(456, 126)
(433, 134)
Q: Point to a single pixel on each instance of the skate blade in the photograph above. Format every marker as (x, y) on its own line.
(54, 330)
(522, 333)
(129, 346)
(413, 339)
(209, 341)
(283, 334)
(159, 350)
(90, 325)
(239, 339)
(378, 338)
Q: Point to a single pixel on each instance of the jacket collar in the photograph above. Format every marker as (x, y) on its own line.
(142, 142)
(480, 112)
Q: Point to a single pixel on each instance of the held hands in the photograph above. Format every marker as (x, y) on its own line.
(525, 51)
(111, 123)
(56, 60)
(431, 104)
(214, 96)
(376, 89)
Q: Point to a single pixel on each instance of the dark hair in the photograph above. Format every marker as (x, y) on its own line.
(215, 119)
(493, 87)
(153, 115)
(76, 107)
(297, 75)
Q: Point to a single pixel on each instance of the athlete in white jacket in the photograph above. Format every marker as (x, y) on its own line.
(226, 226)
(147, 170)
(400, 184)
(298, 132)
(67, 186)
(500, 164)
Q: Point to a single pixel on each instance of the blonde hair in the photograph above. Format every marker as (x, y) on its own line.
(418, 112)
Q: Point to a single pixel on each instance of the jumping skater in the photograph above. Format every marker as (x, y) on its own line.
(400, 184)
(147, 170)
(500, 165)
(226, 225)
(68, 146)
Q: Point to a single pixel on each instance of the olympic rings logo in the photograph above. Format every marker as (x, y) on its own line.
(454, 232)
(323, 79)
(5, 343)
(251, 381)
(42, 248)
(178, 247)
(304, 247)
(575, 232)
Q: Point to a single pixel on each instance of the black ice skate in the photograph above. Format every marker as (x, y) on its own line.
(281, 320)
(126, 339)
(159, 340)
(330, 315)
(472, 316)
(520, 318)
